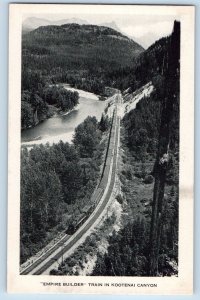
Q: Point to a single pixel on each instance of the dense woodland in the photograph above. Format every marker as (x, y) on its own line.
(129, 251)
(83, 56)
(40, 101)
(79, 55)
(56, 183)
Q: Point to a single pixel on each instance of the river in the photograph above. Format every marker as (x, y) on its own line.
(61, 127)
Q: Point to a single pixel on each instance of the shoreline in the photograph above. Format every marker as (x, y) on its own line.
(57, 112)
(82, 93)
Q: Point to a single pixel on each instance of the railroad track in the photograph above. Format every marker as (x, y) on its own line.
(67, 242)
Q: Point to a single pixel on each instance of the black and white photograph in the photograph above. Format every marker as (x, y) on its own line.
(96, 98)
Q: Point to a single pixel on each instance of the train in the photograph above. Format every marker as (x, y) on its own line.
(97, 195)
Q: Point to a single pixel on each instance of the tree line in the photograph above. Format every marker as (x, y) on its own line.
(56, 183)
(40, 101)
(82, 56)
(152, 132)
(148, 246)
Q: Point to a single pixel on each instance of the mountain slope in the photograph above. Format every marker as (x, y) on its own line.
(81, 55)
(32, 23)
(147, 66)
(79, 46)
(111, 24)
(154, 121)
(150, 71)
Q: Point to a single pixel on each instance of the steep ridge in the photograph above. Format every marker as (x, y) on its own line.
(154, 121)
(32, 23)
(146, 67)
(148, 81)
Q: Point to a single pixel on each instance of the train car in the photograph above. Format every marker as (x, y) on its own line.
(99, 195)
(104, 179)
(102, 183)
(87, 210)
(96, 197)
(72, 228)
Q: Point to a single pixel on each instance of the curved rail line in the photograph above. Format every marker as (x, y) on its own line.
(106, 185)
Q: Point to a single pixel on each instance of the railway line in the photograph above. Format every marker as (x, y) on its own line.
(100, 198)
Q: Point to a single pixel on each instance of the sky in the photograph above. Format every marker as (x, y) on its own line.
(144, 29)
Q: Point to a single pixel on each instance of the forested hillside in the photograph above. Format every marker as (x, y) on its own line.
(148, 245)
(40, 101)
(81, 55)
(78, 47)
(56, 183)
(143, 124)
(145, 67)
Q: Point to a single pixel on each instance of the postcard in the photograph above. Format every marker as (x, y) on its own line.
(101, 149)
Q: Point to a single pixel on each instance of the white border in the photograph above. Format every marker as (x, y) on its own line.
(173, 285)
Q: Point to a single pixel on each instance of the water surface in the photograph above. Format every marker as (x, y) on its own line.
(61, 127)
